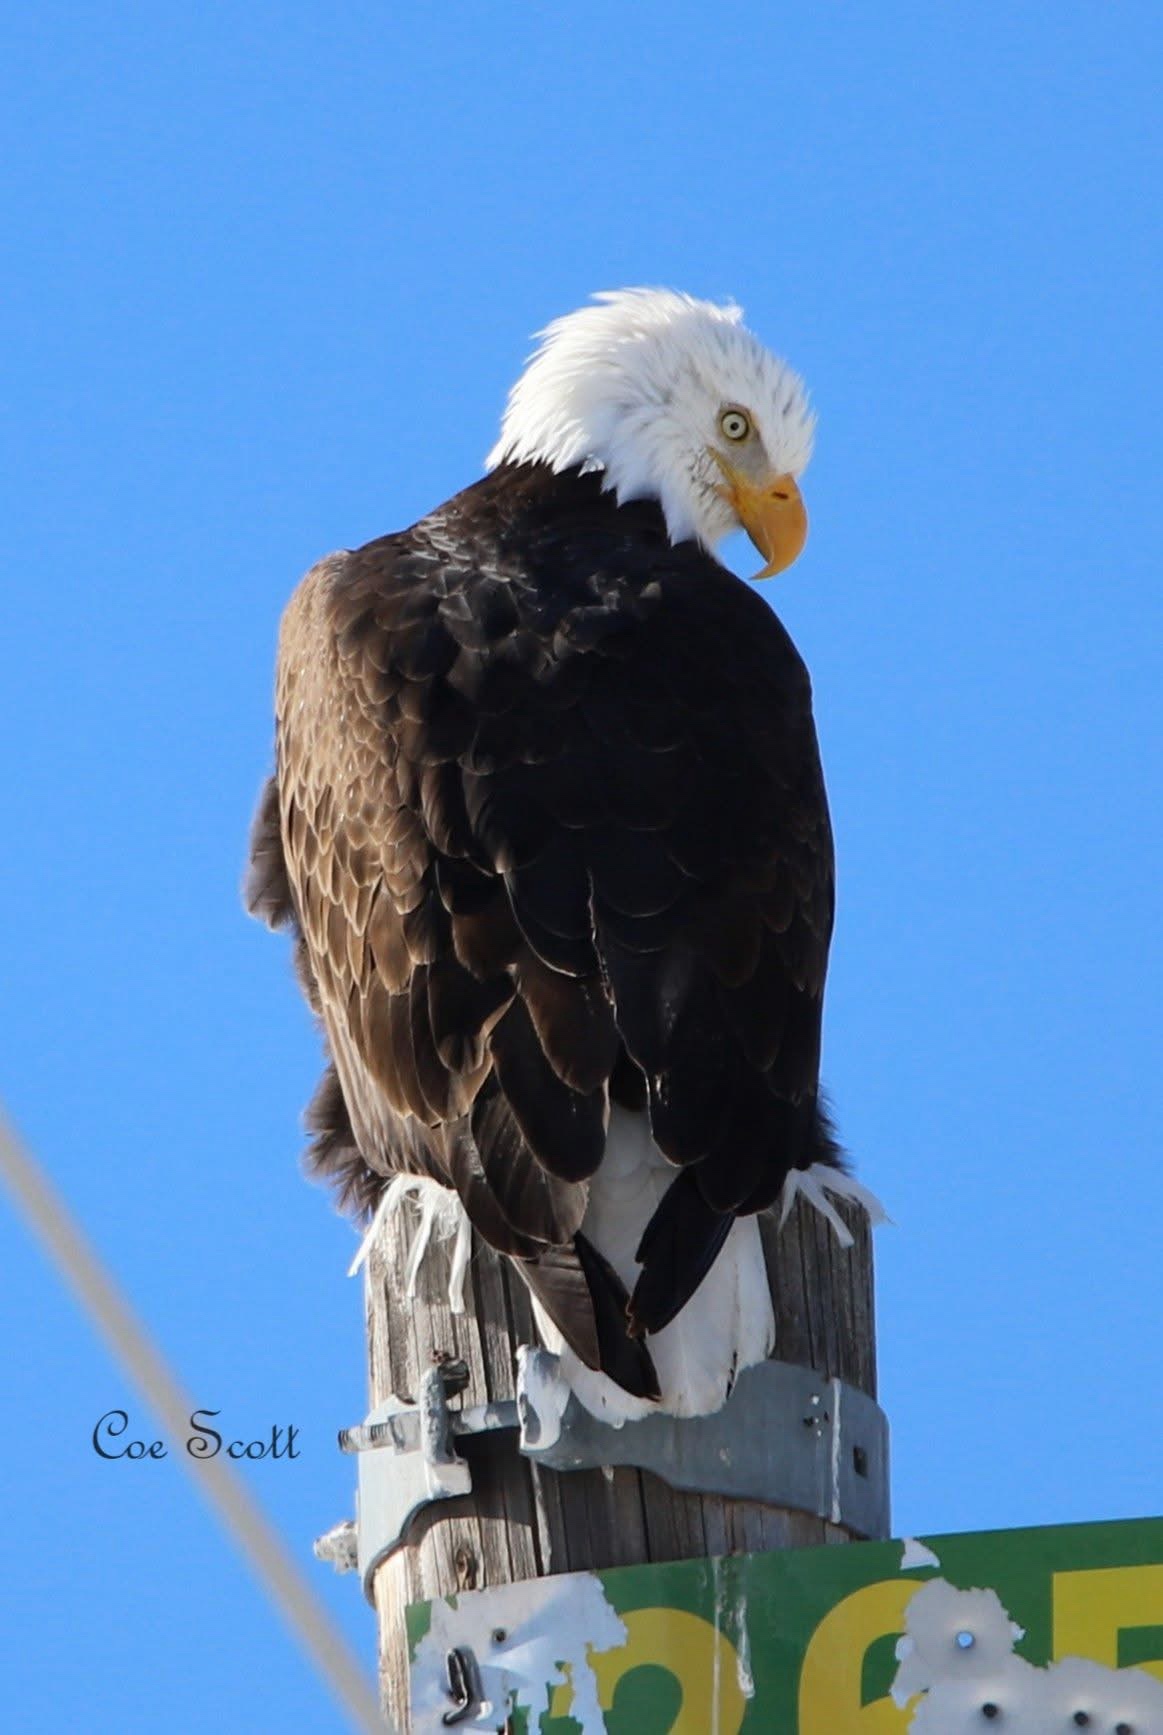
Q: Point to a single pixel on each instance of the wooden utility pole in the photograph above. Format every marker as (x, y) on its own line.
(524, 1521)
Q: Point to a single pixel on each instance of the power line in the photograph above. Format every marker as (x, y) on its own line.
(221, 1485)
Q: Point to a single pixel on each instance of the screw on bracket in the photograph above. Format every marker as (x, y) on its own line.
(453, 1372)
(464, 1685)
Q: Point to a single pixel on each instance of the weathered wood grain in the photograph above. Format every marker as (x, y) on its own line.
(524, 1522)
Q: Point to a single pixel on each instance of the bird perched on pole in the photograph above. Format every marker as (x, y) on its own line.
(549, 826)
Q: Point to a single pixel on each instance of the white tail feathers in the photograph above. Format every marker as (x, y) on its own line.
(727, 1325)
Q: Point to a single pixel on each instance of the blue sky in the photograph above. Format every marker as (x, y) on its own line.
(272, 270)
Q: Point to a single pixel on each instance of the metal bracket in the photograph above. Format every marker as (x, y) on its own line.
(785, 1436)
(406, 1461)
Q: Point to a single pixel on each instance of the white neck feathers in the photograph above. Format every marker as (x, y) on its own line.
(633, 385)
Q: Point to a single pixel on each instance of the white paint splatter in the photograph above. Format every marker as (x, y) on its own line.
(439, 1212)
(837, 1390)
(816, 1183)
(719, 1605)
(915, 1555)
(957, 1661)
(541, 1397)
(951, 1635)
(743, 1672)
(526, 1639)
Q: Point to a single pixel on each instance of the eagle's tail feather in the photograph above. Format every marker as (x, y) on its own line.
(580, 1295)
(719, 1312)
(678, 1247)
(623, 1357)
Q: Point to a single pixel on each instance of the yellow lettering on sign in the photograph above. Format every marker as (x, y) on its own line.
(834, 1663)
(1092, 1608)
(702, 1660)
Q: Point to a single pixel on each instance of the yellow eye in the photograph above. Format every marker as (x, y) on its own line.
(736, 424)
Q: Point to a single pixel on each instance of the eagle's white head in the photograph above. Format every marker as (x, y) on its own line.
(672, 399)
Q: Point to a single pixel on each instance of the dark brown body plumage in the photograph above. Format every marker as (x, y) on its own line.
(549, 824)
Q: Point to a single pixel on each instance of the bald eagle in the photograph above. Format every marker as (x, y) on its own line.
(549, 827)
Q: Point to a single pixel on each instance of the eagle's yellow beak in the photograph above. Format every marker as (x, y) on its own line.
(772, 513)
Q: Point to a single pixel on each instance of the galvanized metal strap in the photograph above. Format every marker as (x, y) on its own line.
(786, 1437)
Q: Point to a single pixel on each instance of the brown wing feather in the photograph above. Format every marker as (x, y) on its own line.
(551, 815)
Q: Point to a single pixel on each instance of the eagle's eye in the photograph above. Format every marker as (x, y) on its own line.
(736, 424)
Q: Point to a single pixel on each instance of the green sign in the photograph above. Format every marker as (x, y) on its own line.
(1021, 1630)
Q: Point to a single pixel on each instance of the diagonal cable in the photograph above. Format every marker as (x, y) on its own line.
(218, 1482)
